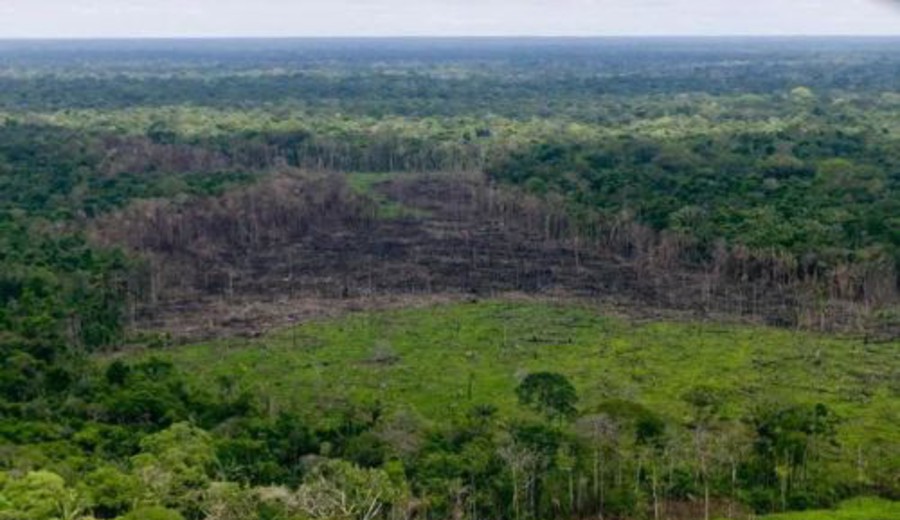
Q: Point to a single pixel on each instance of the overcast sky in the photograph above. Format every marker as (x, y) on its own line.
(126, 18)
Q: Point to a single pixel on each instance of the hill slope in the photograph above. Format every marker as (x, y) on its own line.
(817, 408)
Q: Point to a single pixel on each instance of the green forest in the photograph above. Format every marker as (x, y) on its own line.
(441, 279)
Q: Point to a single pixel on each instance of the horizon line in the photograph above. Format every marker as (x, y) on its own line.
(452, 37)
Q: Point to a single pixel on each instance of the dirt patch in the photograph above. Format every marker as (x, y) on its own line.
(210, 318)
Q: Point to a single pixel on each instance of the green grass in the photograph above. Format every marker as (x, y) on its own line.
(858, 509)
(442, 360)
(366, 184)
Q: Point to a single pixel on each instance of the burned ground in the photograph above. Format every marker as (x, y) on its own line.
(301, 245)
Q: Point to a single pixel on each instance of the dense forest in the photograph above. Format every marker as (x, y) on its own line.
(273, 198)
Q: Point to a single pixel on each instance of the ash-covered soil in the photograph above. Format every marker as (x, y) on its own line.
(302, 246)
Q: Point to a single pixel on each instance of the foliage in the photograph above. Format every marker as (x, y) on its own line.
(769, 410)
(775, 146)
(549, 393)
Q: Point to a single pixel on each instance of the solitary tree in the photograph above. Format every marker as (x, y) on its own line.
(548, 393)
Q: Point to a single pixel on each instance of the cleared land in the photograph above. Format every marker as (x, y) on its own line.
(445, 359)
(860, 509)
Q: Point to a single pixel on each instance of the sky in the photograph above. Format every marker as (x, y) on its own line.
(299, 18)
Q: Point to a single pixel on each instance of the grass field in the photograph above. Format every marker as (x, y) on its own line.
(858, 509)
(438, 361)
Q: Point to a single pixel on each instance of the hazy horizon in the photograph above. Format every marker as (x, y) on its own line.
(458, 37)
(238, 19)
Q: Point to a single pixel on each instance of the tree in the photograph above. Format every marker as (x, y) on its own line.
(705, 403)
(112, 491)
(522, 461)
(229, 501)
(339, 489)
(803, 95)
(601, 431)
(174, 465)
(40, 495)
(790, 441)
(550, 394)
